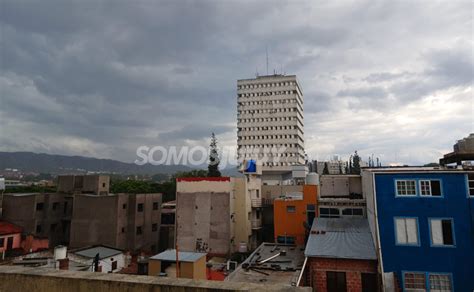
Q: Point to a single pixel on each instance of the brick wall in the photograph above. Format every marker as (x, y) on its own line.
(317, 268)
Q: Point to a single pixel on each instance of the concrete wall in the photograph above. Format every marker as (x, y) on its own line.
(21, 209)
(242, 207)
(203, 215)
(96, 184)
(203, 222)
(271, 192)
(113, 220)
(46, 280)
(340, 185)
(95, 221)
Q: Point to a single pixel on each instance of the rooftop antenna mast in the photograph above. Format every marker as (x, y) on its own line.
(266, 53)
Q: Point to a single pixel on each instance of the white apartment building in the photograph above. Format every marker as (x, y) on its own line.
(270, 125)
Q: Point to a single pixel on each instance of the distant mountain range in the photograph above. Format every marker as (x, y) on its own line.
(61, 164)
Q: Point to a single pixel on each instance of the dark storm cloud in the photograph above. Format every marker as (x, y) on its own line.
(103, 77)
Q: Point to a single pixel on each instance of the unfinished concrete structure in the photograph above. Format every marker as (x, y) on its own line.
(41, 214)
(341, 196)
(204, 207)
(80, 184)
(124, 221)
(270, 117)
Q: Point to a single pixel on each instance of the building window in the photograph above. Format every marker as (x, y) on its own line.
(2, 242)
(39, 206)
(154, 227)
(103, 185)
(430, 188)
(114, 265)
(406, 231)
(352, 212)
(336, 281)
(415, 282)
(139, 230)
(123, 229)
(440, 282)
(329, 213)
(470, 184)
(65, 208)
(155, 205)
(55, 206)
(286, 239)
(53, 227)
(124, 206)
(140, 207)
(38, 228)
(290, 209)
(442, 232)
(406, 188)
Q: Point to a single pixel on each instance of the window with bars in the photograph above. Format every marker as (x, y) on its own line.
(406, 187)
(415, 282)
(440, 283)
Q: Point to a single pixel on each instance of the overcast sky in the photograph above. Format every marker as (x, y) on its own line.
(100, 78)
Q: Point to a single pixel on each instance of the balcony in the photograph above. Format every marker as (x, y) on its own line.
(256, 202)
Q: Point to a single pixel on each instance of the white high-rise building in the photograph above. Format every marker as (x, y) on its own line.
(270, 125)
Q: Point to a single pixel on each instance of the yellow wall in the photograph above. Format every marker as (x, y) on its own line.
(196, 270)
(154, 267)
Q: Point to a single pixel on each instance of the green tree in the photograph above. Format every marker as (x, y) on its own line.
(356, 163)
(326, 168)
(213, 167)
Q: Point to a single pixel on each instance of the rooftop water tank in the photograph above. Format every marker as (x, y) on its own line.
(60, 252)
(312, 178)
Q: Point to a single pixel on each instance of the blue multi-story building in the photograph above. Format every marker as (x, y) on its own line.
(422, 222)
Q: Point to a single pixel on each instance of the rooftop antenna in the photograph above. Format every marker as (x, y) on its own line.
(256, 72)
(266, 53)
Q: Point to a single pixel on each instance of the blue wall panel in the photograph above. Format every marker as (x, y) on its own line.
(457, 260)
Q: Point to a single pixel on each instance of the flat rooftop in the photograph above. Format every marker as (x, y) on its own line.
(271, 263)
(183, 256)
(404, 169)
(103, 251)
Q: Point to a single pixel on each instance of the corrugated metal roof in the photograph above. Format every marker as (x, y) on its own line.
(347, 238)
(183, 256)
(103, 251)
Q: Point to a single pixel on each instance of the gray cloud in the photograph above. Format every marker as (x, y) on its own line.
(104, 77)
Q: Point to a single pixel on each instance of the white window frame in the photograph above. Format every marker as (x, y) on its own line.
(403, 236)
(425, 190)
(469, 189)
(403, 192)
(437, 240)
(448, 279)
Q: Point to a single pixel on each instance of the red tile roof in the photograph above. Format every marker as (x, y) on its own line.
(223, 178)
(9, 228)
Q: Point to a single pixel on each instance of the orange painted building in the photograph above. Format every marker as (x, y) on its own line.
(291, 214)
